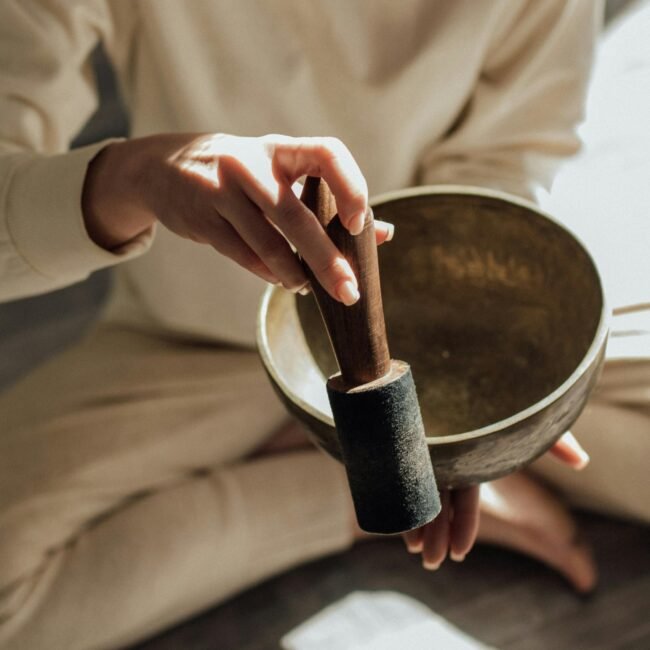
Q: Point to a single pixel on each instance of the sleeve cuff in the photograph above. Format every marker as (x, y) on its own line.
(46, 223)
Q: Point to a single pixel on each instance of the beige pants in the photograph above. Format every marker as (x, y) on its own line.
(614, 428)
(127, 501)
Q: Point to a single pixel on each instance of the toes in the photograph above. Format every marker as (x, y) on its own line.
(577, 565)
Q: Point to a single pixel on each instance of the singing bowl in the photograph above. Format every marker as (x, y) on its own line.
(500, 312)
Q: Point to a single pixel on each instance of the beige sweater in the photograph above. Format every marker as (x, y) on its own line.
(422, 91)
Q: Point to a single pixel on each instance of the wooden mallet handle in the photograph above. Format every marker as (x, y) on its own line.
(358, 332)
(373, 399)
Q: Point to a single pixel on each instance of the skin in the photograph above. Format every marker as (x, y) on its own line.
(235, 194)
(515, 512)
(238, 195)
(454, 531)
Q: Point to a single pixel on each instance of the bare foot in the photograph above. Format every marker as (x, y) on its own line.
(515, 512)
(518, 513)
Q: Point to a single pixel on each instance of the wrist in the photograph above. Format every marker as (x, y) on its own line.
(114, 208)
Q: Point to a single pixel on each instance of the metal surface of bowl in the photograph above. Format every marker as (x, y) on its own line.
(498, 309)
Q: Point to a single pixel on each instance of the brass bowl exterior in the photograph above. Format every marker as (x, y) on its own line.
(498, 309)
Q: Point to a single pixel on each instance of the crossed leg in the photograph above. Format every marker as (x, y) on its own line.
(128, 499)
(528, 511)
(139, 484)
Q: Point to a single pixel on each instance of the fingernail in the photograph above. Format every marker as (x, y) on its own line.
(583, 456)
(305, 290)
(391, 231)
(414, 548)
(348, 293)
(584, 459)
(300, 288)
(456, 557)
(357, 223)
(431, 566)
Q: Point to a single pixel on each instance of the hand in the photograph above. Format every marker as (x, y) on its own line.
(569, 451)
(454, 530)
(235, 194)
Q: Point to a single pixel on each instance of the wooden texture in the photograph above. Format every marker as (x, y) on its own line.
(357, 333)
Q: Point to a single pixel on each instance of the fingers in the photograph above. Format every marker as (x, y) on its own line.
(265, 241)
(464, 524)
(436, 536)
(454, 530)
(255, 204)
(281, 264)
(250, 185)
(327, 158)
(223, 238)
(383, 232)
(276, 201)
(301, 227)
(568, 450)
(413, 540)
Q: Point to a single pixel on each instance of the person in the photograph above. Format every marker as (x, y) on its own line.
(149, 471)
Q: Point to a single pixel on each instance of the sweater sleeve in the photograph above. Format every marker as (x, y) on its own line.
(47, 93)
(521, 118)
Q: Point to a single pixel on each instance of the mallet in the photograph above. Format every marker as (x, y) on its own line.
(373, 398)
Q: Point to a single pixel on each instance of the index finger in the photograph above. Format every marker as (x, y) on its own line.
(464, 525)
(331, 160)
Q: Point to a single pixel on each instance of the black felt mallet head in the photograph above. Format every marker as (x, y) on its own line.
(373, 398)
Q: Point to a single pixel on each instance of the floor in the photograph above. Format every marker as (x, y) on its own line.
(504, 600)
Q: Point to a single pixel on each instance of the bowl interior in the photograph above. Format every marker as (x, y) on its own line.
(492, 304)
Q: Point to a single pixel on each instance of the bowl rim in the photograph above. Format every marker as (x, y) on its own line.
(592, 352)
